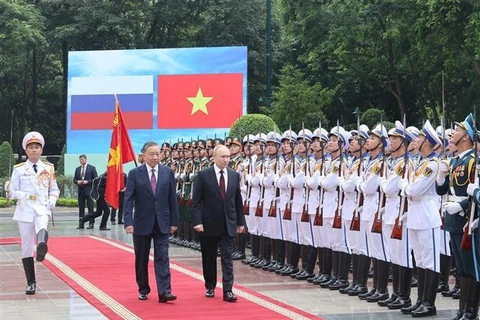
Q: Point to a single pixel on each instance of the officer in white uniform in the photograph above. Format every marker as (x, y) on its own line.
(34, 187)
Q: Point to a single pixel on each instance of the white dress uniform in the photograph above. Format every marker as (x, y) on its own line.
(255, 196)
(273, 224)
(288, 226)
(35, 194)
(304, 229)
(423, 221)
(398, 250)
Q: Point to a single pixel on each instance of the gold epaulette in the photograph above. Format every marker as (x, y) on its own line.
(19, 165)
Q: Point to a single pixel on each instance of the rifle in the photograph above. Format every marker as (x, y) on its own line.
(305, 217)
(190, 195)
(442, 198)
(355, 224)
(272, 212)
(397, 231)
(337, 219)
(318, 220)
(466, 243)
(259, 209)
(246, 202)
(377, 221)
(287, 214)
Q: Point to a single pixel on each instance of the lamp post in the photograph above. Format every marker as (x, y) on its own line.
(357, 113)
(269, 51)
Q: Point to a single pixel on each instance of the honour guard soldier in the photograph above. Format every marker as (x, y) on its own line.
(454, 178)
(372, 245)
(423, 221)
(271, 214)
(289, 141)
(300, 206)
(338, 143)
(236, 160)
(319, 143)
(247, 170)
(397, 247)
(352, 178)
(34, 187)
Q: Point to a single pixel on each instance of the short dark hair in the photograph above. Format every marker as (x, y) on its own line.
(82, 156)
(148, 145)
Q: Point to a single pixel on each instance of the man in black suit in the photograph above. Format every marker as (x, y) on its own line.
(83, 178)
(151, 191)
(217, 215)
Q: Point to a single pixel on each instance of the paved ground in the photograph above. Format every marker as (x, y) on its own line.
(55, 300)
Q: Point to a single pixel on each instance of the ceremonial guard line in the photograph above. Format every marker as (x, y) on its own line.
(403, 202)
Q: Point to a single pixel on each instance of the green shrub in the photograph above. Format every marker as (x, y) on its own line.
(253, 124)
(7, 160)
(71, 203)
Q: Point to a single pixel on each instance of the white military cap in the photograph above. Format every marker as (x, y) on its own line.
(33, 137)
(430, 134)
(305, 134)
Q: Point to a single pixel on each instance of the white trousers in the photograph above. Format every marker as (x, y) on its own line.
(28, 233)
(426, 248)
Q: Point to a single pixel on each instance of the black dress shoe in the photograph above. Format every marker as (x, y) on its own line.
(167, 297)
(386, 302)
(400, 303)
(229, 297)
(424, 311)
(450, 292)
(143, 296)
(239, 256)
(104, 228)
(113, 222)
(455, 296)
(210, 293)
(120, 222)
(31, 287)
(413, 307)
(377, 296)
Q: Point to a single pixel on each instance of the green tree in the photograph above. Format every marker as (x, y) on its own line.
(7, 160)
(252, 124)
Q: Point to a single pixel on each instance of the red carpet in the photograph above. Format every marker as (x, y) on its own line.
(5, 241)
(102, 271)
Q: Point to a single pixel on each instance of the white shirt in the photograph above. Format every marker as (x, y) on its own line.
(150, 172)
(225, 175)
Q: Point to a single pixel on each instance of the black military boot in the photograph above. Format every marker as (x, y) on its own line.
(427, 308)
(42, 248)
(355, 259)
(421, 288)
(364, 296)
(445, 266)
(362, 278)
(405, 287)
(395, 285)
(383, 273)
(29, 269)
(343, 270)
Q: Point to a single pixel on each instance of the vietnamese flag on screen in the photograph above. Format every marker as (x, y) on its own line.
(199, 100)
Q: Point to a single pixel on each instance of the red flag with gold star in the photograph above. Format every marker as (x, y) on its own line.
(199, 100)
(121, 151)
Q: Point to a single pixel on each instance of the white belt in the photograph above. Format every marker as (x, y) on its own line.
(456, 198)
(423, 198)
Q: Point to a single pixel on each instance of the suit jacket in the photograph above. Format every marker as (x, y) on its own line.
(90, 174)
(162, 204)
(211, 210)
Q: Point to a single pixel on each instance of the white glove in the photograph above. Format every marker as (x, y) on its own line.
(443, 171)
(453, 207)
(52, 201)
(471, 188)
(402, 183)
(474, 224)
(403, 217)
(20, 195)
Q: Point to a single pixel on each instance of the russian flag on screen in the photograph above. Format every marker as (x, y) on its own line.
(93, 102)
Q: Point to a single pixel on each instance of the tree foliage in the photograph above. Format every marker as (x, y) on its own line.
(7, 160)
(253, 124)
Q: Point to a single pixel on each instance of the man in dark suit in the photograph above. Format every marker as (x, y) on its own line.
(217, 215)
(83, 178)
(151, 191)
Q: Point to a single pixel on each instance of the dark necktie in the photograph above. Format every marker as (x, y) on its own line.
(222, 185)
(153, 181)
(83, 172)
(35, 168)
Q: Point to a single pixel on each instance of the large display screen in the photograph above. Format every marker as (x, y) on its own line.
(165, 95)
